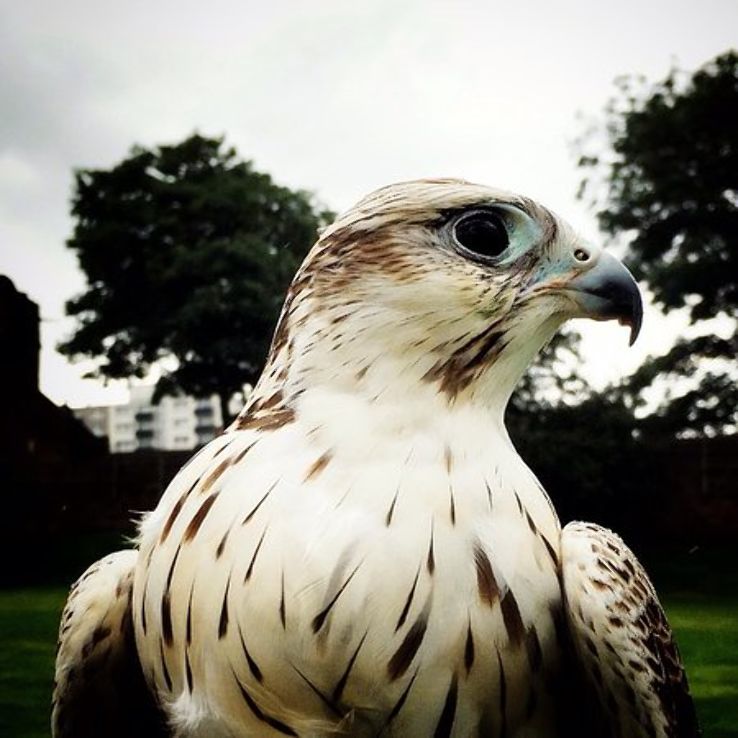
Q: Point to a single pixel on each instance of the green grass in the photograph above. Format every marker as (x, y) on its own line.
(699, 592)
(29, 620)
(707, 633)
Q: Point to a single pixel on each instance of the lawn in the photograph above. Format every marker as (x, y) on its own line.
(29, 620)
(707, 633)
(699, 591)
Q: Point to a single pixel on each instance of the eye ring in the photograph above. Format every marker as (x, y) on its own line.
(481, 233)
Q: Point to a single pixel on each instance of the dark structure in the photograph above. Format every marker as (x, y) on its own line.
(40, 443)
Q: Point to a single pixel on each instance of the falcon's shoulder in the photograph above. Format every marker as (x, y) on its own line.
(622, 638)
(98, 685)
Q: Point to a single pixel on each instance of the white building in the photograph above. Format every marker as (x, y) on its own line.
(175, 423)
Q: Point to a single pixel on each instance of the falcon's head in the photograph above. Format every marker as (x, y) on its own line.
(444, 284)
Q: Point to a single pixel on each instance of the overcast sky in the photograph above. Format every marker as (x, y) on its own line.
(337, 97)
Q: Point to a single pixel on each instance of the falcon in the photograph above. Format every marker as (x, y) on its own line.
(363, 552)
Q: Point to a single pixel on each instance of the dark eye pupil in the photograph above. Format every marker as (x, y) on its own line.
(483, 234)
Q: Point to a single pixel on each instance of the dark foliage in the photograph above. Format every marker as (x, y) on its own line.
(667, 178)
(589, 458)
(553, 377)
(670, 175)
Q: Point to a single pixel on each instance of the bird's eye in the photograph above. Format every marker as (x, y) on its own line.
(484, 234)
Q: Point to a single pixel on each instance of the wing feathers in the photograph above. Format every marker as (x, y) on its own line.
(99, 688)
(622, 638)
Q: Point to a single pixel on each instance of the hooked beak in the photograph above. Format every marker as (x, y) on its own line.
(608, 291)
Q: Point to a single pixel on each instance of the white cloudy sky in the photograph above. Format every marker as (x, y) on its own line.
(335, 96)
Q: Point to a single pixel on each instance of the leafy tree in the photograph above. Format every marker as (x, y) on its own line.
(552, 379)
(188, 251)
(665, 176)
(590, 460)
(668, 177)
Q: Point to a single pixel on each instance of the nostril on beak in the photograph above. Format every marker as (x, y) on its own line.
(581, 254)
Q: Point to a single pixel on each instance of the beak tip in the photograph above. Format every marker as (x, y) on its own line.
(634, 324)
(636, 320)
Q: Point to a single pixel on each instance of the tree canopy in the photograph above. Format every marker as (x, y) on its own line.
(663, 177)
(669, 171)
(188, 251)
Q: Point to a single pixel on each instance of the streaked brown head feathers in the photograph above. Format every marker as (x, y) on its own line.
(393, 282)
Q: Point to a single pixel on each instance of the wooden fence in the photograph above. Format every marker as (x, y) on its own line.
(698, 479)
